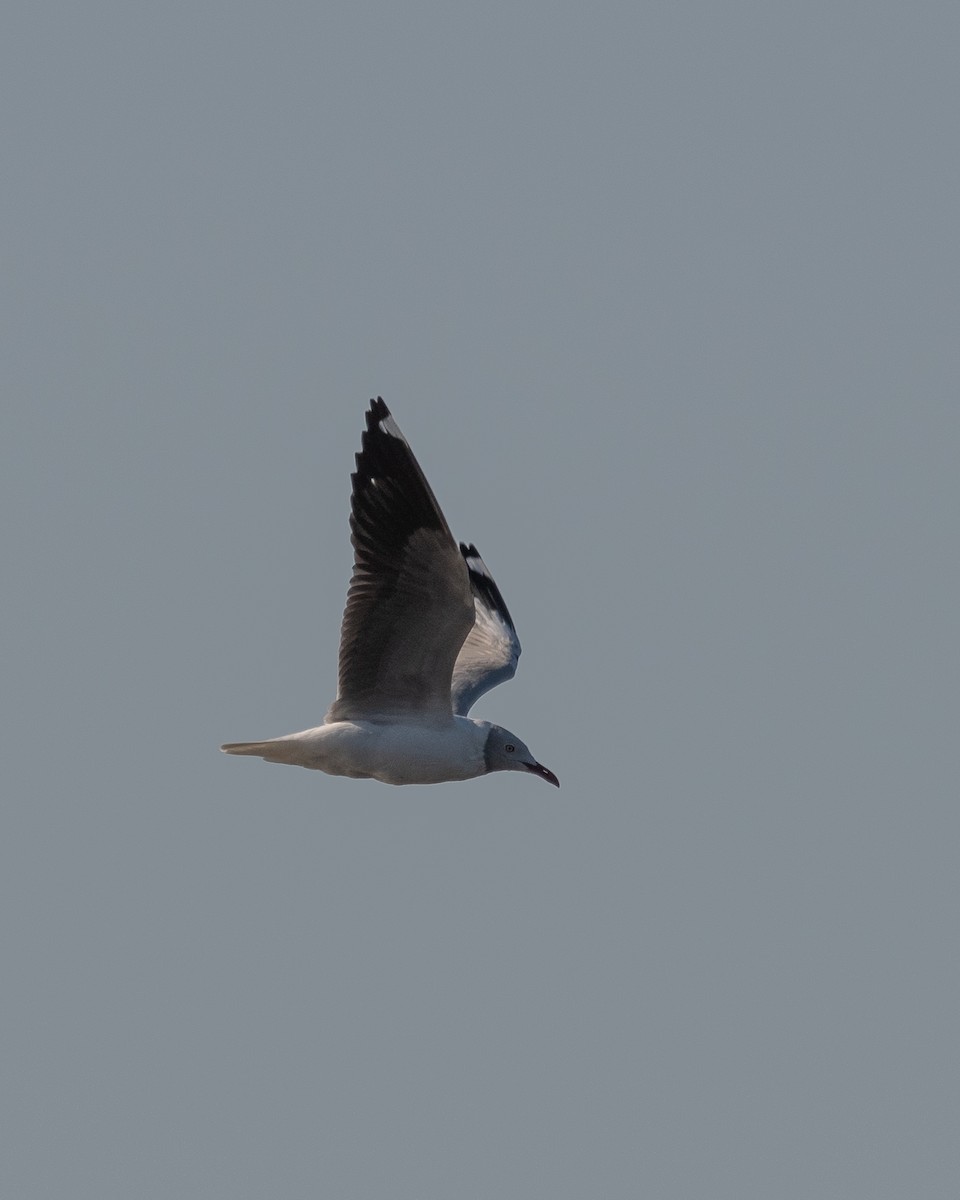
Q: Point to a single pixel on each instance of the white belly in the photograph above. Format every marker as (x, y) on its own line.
(392, 753)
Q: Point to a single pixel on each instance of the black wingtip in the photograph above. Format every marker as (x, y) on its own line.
(482, 582)
(378, 411)
(389, 488)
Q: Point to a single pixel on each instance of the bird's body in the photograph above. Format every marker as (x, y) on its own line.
(391, 751)
(425, 633)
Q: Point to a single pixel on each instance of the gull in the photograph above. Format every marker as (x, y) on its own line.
(425, 633)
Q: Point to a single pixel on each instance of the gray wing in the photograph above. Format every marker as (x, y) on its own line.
(410, 604)
(489, 655)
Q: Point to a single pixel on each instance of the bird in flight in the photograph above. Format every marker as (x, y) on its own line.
(425, 633)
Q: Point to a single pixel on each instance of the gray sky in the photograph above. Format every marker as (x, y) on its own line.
(665, 299)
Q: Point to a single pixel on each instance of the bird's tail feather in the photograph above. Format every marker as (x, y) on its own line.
(279, 751)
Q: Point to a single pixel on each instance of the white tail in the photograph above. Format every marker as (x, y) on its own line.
(278, 751)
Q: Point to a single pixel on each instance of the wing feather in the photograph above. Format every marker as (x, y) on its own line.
(409, 606)
(490, 653)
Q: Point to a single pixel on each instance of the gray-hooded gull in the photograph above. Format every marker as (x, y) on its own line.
(425, 633)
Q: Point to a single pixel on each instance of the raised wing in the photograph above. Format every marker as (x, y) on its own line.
(489, 655)
(410, 604)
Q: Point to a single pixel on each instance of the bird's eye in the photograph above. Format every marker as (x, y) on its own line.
(509, 749)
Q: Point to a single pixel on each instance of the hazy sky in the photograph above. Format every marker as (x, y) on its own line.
(665, 298)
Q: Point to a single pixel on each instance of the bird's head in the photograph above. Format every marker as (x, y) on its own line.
(504, 751)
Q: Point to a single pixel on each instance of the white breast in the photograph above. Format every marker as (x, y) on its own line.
(393, 753)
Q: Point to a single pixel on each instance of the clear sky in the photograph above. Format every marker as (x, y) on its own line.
(665, 299)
